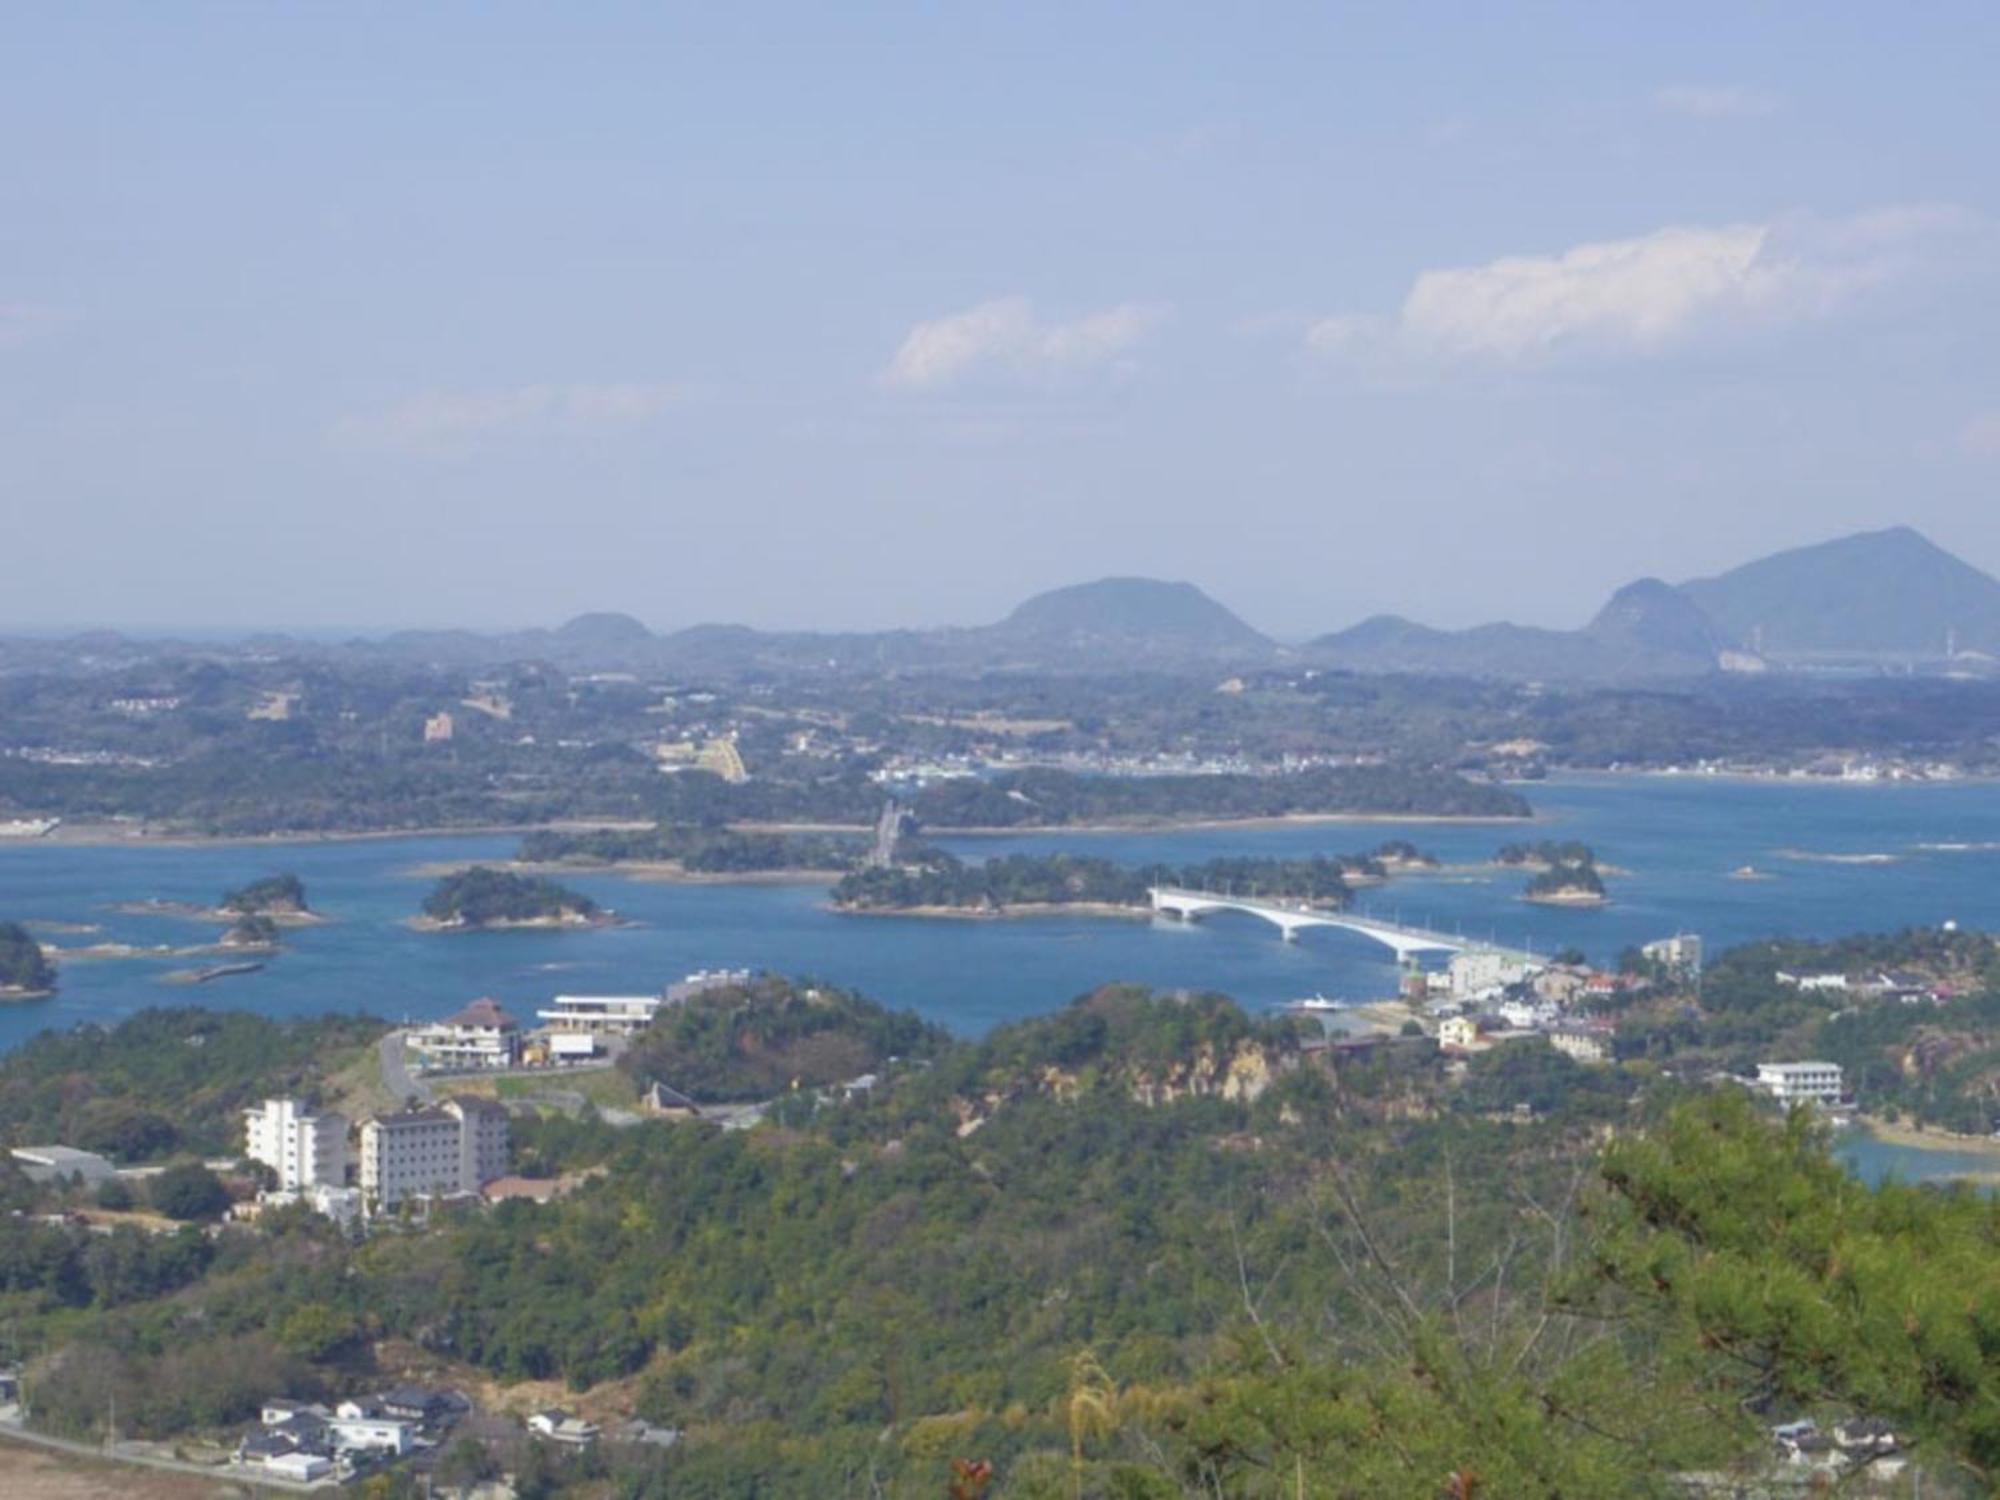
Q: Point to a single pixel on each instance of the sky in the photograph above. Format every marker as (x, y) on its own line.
(327, 317)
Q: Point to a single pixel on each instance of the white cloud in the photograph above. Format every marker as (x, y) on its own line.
(1005, 337)
(1637, 297)
(1702, 101)
(437, 418)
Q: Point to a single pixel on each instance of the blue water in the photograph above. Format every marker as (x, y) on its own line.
(1678, 838)
(1873, 1160)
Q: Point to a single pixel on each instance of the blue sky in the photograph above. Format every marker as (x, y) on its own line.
(860, 316)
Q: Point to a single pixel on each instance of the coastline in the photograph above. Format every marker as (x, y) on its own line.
(1924, 1138)
(100, 835)
(1160, 825)
(1001, 913)
(520, 924)
(661, 872)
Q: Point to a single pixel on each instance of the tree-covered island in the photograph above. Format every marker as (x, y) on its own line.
(939, 883)
(25, 970)
(483, 899)
(279, 897)
(694, 849)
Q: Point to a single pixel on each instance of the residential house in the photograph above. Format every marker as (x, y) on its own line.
(480, 1036)
(1585, 1041)
(560, 1427)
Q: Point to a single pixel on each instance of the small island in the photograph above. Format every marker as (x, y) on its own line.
(252, 931)
(1576, 884)
(1547, 854)
(25, 970)
(279, 898)
(484, 899)
(669, 851)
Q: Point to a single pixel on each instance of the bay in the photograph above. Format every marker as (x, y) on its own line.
(1839, 858)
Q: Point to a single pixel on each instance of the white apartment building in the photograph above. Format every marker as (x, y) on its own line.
(1681, 952)
(452, 1148)
(1801, 1082)
(1481, 971)
(305, 1149)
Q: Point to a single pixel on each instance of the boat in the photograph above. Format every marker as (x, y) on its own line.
(1317, 1004)
(28, 828)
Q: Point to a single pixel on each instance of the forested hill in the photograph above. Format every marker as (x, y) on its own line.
(1144, 1238)
(1126, 616)
(1891, 591)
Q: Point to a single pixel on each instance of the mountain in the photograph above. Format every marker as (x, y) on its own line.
(604, 630)
(1880, 593)
(1881, 596)
(1128, 615)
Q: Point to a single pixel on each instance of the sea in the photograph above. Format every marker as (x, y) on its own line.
(1731, 859)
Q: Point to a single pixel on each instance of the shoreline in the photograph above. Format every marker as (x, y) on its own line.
(103, 835)
(1605, 773)
(1161, 825)
(1000, 913)
(519, 924)
(1924, 1138)
(659, 872)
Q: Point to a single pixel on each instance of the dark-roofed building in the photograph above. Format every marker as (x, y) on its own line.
(480, 1036)
(451, 1148)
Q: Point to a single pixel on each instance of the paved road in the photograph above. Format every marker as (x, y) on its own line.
(396, 1075)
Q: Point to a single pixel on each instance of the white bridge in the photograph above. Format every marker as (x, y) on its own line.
(1291, 918)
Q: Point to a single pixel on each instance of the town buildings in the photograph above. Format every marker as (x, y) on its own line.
(306, 1149)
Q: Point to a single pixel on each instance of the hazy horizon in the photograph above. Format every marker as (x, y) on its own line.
(488, 317)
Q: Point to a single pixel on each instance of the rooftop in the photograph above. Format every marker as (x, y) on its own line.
(483, 1014)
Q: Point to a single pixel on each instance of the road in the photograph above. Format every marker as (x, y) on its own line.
(13, 1432)
(396, 1075)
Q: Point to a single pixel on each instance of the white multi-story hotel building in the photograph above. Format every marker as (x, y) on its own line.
(305, 1149)
(452, 1148)
(1801, 1082)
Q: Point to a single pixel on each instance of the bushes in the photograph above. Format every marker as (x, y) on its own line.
(188, 1192)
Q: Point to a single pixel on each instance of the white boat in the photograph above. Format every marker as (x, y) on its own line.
(28, 828)
(1317, 1003)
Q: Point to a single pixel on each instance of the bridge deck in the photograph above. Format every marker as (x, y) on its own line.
(1290, 916)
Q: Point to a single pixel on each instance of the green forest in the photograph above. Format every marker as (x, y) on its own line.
(1144, 1245)
(700, 849)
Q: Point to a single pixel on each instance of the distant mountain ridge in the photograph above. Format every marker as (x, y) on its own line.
(1887, 597)
(1893, 592)
(1884, 596)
